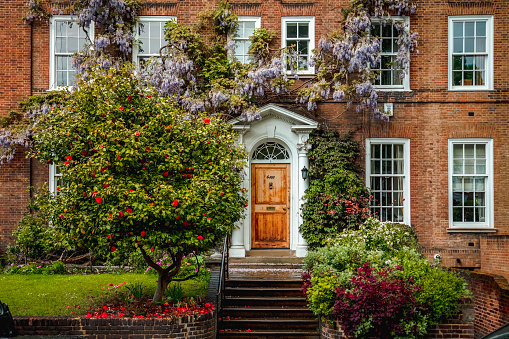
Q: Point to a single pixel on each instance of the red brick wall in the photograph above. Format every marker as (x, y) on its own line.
(491, 300)
(495, 256)
(203, 327)
(461, 326)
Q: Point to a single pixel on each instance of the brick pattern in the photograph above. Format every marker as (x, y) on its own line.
(491, 301)
(203, 327)
(461, 326)
(495, 256)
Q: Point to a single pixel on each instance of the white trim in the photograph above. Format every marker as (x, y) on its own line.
(489, 51)
(52, 171)
(52, 42)
(405, 87)
(297, 19)
(489, 220)
(406, 168)
(143, 19)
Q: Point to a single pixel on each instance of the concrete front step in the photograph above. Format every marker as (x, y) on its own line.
(282, 283)
(268, 312)
(270, 324)
(269, 334)
(263, 301)
(265, 291)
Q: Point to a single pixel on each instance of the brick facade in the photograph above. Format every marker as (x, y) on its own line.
(461, 326)
(202, 327)
(429, 115)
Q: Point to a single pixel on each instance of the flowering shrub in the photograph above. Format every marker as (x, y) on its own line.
(46, 268)
(337, 197)
(380, 304)
(375, 277)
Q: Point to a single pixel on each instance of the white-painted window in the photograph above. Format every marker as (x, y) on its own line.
(470, 183)
(299, 32)
(391, 75)
(55, 178)
(66, 38)
(247, 26)
(471, 52)
(388, 178)
(150, 36)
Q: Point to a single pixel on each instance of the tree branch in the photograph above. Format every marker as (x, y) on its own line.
(150, 262)
(192, 275)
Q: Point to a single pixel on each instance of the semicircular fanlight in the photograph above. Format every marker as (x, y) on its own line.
(270, 151)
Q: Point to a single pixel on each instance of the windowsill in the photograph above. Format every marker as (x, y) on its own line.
(392, 89)
(471, 230)
(472, 89)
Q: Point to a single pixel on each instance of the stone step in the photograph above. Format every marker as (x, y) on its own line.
(258, 301)
(282, 283)
(266, 312)
(267, 292)
(269, 334)
(270, 324)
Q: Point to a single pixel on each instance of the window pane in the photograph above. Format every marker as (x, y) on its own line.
(457, 29)
(469, 45)
(479, 184)
(457, 214)
(480, 167)
(480, 214)
(457, 151)
(72, 45)
(480, 28)
(375, 151)
(458, 45)
(291, 43)
(398, 215)
(387, 30)
(291, 30)
(469, 28)
(397, 198)
(457, 78)
(396, 77)
(480, 151)
(154, 47)
(375, 183)
(479, 78)
(398, 183)
(398, 167)
(457, 167)
(303, 30)
(457, 199)
(457, 184)
(468, 63)
(386, 167)
(249, 28)
(479, 199)
(398, 151)
(468, 78)
(469, 214)
(375, 166)
(480, 62)
(469, 166)
(469, 184)
(469, 150)
(303, 47)
(386, 183)
(386, 45)
(61, 78)
(468, 199)
(480, 45)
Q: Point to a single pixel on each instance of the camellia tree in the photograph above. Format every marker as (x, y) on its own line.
(138, 172)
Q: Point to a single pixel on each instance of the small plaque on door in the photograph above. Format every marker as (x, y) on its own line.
(271, 208)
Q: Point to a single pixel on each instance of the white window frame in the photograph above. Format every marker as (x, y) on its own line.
(258, 24)
(53, 178)
(405, 86)
(299, 19)
(144, 19)
(489, 195)
(406, 169)
(489, 51)
(52, 41)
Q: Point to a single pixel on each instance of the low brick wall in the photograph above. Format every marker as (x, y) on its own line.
(491, 297)
(461, 326)
(202, 327)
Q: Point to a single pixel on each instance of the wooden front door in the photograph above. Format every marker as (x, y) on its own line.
(270, 206)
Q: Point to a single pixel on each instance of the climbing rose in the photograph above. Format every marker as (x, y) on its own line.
(129, 210)
(185, 223)
(113, 248)
(152, 204)
(175, 203)
(99, 200)
(121, 214)
(137, 134)
(165, 174)
(207, 120)
(199, 237)
(68, 158)
(84, 194)
(151, 249)
(66, 163)
(142, 233)
(84, 153)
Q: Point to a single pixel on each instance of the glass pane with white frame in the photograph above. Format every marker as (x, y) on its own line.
(297, 37)
(390, 72)
(151, 39)
(69, 39)
(469, 52)
(387, 181)
(246, 28)
(469, 183)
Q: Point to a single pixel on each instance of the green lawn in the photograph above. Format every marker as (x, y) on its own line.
(60, 295)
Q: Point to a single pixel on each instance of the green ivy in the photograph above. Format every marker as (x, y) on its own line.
(337, 198)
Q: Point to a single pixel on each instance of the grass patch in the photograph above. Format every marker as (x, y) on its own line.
(64, 295)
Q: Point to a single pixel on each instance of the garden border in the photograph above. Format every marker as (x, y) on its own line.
(200, 327)
(460, 326)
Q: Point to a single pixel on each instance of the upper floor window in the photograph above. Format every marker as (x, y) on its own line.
(470, 183)
(55, 178)
(299, 32)
(247, 26)
(150, 35)
(471, 52)
(66, 38)
(388, 178)
(391, 75)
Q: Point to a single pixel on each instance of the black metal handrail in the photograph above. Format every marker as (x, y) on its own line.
(223, 275)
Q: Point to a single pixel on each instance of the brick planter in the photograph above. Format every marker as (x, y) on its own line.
(461, 326)
(202, 327)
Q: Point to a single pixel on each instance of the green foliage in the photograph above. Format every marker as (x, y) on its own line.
(382, 245)
(336, 198)
(175, 292)
(56, 267)
(260, 43)
(224, 21)
(136, 290)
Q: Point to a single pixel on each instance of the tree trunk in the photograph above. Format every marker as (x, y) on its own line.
(162, 283)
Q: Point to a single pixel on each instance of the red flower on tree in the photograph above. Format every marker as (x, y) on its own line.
(121, 214)
(129, 210)
(165, 174)
(199, 237)
(66, 163)
(207, 120)
(142, 233)
(151, 249)
(185, 223)
(84, 152)
(137, 134)
(175, 203)
(99, 200)
(113, 248)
